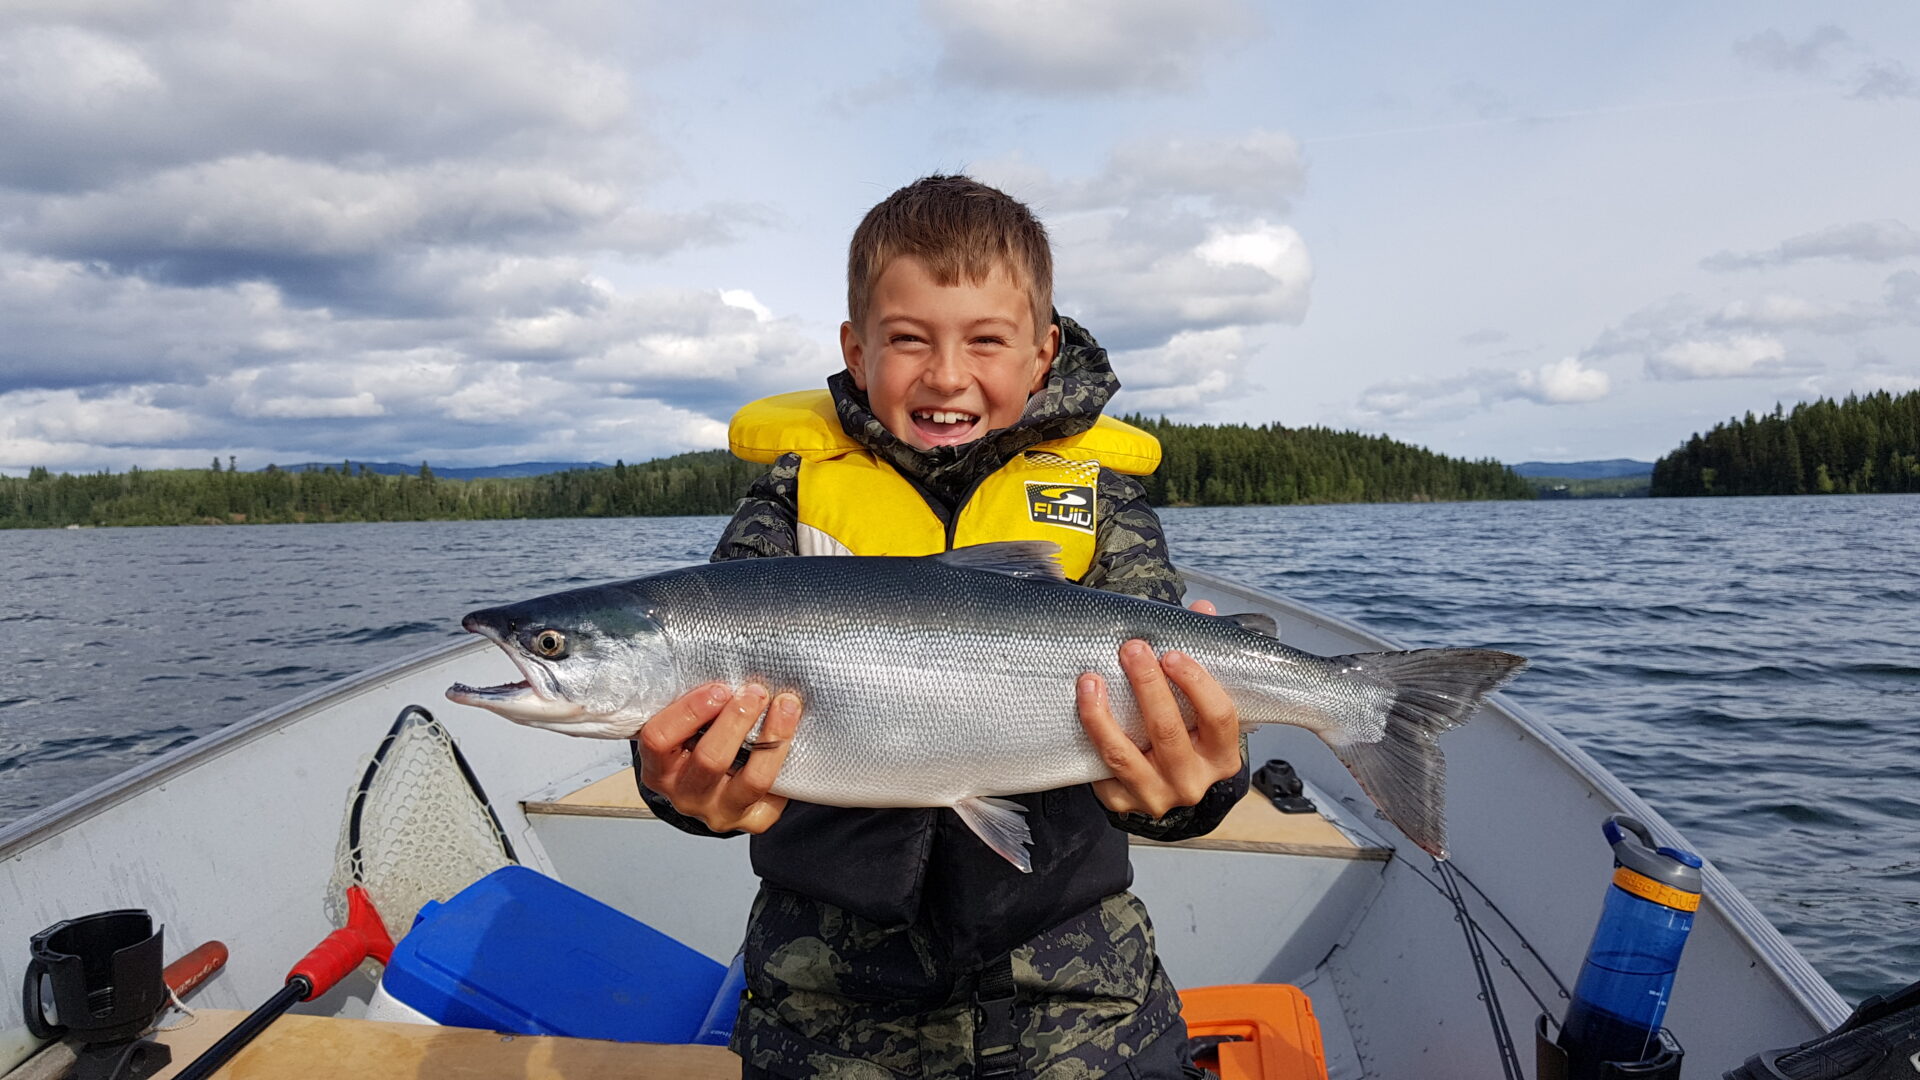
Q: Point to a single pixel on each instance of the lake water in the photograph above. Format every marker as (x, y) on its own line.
(1750, 666)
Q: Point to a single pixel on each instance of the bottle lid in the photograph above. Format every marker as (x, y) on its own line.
(1633, 848)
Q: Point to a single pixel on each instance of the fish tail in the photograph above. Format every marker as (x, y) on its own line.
(1434, 690)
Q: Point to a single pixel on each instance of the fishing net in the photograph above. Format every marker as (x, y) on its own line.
(418, 826)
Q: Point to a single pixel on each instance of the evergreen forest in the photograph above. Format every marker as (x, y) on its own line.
(1861, 445)
(1212, 465)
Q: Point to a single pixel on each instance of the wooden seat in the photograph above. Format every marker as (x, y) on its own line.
(300, 1047)
(1252, 825)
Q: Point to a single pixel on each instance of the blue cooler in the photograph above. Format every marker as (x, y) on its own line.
(519, 952)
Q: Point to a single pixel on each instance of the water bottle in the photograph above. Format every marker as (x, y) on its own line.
(1621, 995)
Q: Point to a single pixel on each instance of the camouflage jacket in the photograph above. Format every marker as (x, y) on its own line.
(1091, 990)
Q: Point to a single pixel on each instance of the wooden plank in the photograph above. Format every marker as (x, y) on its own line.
(298, 1047)
(1252, 825)
(610, 796)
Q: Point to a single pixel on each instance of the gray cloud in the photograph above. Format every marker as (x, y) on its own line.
(1818, 56)
(106, 94)
(1771, 49)
(1085, 47)
(1858, 241)
(1486, 335)
(1887, 80)
(200, 253)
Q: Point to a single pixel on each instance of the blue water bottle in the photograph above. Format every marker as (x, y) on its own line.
(1621, 995)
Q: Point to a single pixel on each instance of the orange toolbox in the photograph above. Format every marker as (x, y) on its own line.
(1261, 1031)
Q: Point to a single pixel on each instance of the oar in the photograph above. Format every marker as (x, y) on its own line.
(182, 977)
(316, 973)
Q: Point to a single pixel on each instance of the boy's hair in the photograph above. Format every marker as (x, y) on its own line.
(956, 226)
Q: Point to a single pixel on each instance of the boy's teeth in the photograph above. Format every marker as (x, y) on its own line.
(943, 416)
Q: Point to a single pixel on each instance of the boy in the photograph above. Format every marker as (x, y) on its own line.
(891, 943)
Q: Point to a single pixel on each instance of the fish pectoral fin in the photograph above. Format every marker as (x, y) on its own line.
(1002, 823)
(1015, 558)
(1256, 621)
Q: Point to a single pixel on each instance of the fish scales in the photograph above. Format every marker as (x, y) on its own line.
(934, 681)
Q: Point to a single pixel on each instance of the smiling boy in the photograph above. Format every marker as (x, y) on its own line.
(894, 943)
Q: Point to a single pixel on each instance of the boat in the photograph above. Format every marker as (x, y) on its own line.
(1412, 969)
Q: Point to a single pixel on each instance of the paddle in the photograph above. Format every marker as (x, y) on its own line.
(316, 973)
(182, 977)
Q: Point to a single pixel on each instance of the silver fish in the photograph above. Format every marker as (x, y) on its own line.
(948, 680)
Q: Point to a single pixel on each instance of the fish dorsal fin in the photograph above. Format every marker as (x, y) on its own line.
(1018, 558)
(1258, 622)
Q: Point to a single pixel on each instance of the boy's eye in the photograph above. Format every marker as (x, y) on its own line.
(995, 341)
(904, 339)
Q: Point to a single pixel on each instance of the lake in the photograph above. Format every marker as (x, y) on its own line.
(1750, 666)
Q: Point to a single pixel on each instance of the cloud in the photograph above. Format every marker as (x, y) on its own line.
(1486, 335)
(1778, 332)
(1174, 235)
(1726, 358)
(1887, 80)
(1817, 55)
(1192, 371)
(1563, 382)
(1260, 171)
(1859, 241)
(1567, 381)
(112, 92)
(1771, 49)
(1085, 47)
(201, 254)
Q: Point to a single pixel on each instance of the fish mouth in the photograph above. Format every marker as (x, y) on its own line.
(535, 699)
(488, 696)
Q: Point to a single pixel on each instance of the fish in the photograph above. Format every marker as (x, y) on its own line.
(948, 680)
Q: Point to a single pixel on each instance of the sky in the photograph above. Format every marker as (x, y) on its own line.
(475, 233)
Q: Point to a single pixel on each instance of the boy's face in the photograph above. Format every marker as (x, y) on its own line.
(945, 364)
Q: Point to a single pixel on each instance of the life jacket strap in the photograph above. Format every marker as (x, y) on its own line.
(996, 1045)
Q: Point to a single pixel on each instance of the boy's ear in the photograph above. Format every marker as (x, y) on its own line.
(854, 353)
(1043, 358)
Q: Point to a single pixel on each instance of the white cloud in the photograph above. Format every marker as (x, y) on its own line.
(1085, 47)
(1728, 358)
(1563, 382)
(1567, 381)
(125, 417)
(1193, 370)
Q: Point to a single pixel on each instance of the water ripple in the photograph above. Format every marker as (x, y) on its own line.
(1748, 665)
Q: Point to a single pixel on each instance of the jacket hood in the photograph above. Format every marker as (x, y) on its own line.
(1078, 387)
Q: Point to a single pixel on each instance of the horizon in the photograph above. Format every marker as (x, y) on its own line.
(589, 231)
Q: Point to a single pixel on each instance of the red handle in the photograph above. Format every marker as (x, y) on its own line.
(192, 969)
(341, 952)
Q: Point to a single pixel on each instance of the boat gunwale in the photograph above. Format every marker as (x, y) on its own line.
(93, 801)
(1807, 986)
(1823, 1004)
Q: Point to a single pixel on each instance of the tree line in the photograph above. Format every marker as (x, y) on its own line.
(1211, 465)
(1271, 465)
(1861, 445)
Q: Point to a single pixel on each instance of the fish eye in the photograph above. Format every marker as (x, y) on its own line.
(550, 643)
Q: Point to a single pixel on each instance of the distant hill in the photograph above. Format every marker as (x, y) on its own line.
(1585, 470)
(392, 468)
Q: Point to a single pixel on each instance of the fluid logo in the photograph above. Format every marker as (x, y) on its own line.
(1070, 505)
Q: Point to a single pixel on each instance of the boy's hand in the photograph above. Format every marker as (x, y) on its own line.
(1178, 765)
(694, 769)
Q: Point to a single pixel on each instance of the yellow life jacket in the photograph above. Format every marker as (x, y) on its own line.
(853, 503)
